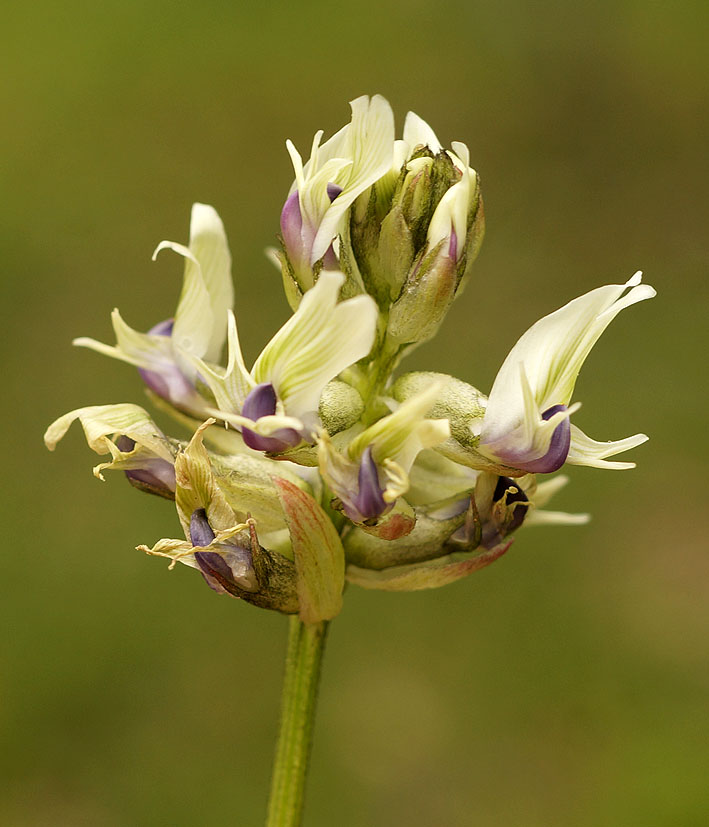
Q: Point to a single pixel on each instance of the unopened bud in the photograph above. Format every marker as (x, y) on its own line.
(340, 407)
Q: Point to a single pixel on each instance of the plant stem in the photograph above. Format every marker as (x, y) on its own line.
(306, 643)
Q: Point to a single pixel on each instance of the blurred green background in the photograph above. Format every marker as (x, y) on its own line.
(565, 685)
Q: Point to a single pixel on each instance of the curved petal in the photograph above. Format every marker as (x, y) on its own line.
(552, 352)
(208, 244)
(230, 385)
(587, 451)
(207, 290)
(319, 341)
(418, 133)
(194, 320)
(102, 422)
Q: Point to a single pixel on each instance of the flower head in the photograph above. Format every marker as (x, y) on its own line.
(321, 466)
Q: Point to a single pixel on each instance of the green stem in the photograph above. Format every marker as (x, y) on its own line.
(306, 643)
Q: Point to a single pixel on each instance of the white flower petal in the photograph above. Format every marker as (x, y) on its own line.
(208, 244)
(143, 350)
(194, 319)
(101, 422)
(207, 290)
(545, 490)
(402, 434)
(354, 158)
(535, 517)
(230, 385)
(418, 133)
(265, 425)
(586, 451)
(319, 341)
(552, 352)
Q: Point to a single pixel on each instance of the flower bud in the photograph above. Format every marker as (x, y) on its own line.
(415, 232)
(447, 230)
(461, 404)
(340, 407)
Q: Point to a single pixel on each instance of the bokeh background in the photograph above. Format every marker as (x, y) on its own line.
(565, 685)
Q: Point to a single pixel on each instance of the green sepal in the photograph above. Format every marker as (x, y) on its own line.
(318, 553)
(427, 540)
(427, 575)
(340, 407)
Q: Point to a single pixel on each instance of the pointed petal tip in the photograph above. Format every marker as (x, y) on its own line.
(204, 219)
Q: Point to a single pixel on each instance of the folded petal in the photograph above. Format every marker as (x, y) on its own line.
(102, 424)
(552, 352)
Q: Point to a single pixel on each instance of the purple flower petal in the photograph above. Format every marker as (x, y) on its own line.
(163, 328)
(333, 190)
(279, 441)
(292, 224)
(169, 382)
(201, 533)
(369, 500)
(261, 401)
(453, 246)
(218, 569)
(156, 473)
(559, 446)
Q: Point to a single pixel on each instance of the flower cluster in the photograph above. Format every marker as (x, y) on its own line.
(316, 465)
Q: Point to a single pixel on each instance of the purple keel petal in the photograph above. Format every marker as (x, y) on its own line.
(369, 500)
(559, 446)
(333, 190)
(156, 473)
(261, 401)
(168, 382)
(201, 533)
(228, 572)
(292, 224)
(279, 441)
(453, 246)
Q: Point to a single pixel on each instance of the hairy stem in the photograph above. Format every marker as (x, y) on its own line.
(306, 643)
